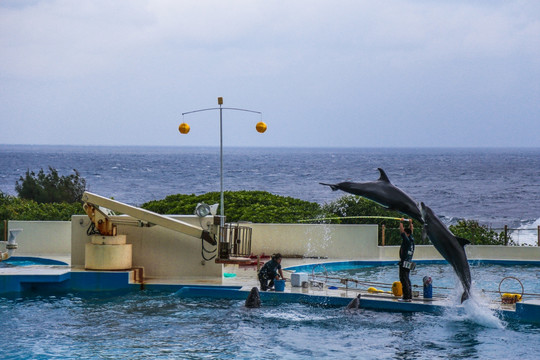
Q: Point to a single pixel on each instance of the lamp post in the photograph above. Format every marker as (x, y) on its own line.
(184, 129)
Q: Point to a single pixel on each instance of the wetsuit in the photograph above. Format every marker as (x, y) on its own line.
(406, 252)
(269, 271)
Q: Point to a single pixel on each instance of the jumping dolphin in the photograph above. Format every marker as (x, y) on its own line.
(450, 247)
(254, 299)
(384, 193)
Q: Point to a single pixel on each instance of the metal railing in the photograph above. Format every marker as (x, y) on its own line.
(235, 241)
(509, 236)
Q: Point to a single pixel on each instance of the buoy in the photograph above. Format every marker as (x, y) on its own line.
(261, 127)
(508, 298)
(397, 288)
(183, 128)
(372, 290)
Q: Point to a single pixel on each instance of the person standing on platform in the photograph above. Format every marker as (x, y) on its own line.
(406, 252)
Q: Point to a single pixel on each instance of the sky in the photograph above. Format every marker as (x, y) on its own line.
(410, 73)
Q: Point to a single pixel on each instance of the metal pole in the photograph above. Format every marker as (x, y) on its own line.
(221, 205)
(221, 108)
(538, 235)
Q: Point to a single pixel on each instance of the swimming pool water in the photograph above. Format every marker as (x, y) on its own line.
(28, 261)
(157, 325)
(485, 278)
(160, 325)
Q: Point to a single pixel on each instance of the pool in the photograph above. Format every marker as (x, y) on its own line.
(28, 261)
(160, 325)
(486, 276)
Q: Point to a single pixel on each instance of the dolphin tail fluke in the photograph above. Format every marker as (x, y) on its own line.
(334, 187)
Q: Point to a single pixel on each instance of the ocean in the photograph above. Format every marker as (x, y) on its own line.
(494, 186)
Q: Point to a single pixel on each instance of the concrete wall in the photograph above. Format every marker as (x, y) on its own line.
(167, 254)
(163, 253)
(42, 238)
(332, 241)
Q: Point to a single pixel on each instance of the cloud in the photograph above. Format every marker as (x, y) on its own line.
(320, 71)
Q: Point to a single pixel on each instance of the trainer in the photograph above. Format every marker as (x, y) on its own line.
(406, 252)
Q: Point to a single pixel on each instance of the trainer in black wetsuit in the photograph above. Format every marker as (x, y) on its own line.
(269, 272)
(406, 252)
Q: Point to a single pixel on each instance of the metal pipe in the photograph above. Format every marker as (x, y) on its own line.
(222, 202)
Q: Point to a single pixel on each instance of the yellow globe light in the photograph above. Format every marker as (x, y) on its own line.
(261, 127)
(183, 128)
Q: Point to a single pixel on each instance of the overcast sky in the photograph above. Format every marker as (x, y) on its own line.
(323, 73)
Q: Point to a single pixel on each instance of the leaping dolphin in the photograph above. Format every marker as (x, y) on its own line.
(384, 193)
(450, 247)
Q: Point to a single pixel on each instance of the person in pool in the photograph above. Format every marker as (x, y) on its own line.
(406, 252)
(269, 272)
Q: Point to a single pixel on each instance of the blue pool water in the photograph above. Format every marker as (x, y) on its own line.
(28, 261)
(160, 325)
(147, 325)
(487, 277)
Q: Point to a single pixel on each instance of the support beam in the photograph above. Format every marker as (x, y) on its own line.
(149, 216)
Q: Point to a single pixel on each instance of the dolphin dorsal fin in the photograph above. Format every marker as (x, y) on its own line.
(462, 241)
(383, 176)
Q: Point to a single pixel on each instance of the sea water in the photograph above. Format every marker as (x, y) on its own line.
(495, 186)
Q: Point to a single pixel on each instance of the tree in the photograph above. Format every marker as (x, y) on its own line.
(51, 187)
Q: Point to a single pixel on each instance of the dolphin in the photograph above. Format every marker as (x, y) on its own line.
(384, 193)
(354, 304)
(452, 248)
(254, 299)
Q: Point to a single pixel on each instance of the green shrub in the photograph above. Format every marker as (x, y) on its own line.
(253, 206)
(14, 208)
(51, 187)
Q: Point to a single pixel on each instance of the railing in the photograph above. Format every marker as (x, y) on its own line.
(509, 236)
(235, 241)
(522, 236)
(4, 230)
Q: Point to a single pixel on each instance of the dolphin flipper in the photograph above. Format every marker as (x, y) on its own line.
(462, 241)
(354, 304)
(334, 187)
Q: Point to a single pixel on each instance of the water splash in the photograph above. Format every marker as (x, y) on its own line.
(475, 310)
(479, 313)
